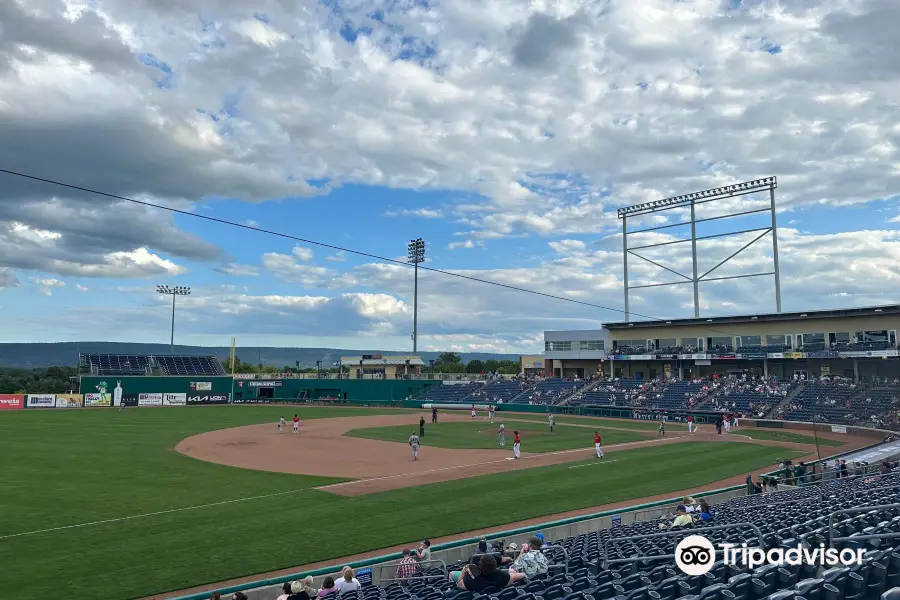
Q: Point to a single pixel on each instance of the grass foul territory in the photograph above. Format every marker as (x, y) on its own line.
(160, 521)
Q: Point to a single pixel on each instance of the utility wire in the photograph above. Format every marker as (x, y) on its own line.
(329, 246)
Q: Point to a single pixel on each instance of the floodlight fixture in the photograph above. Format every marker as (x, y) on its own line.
(174, 291)
(690, 201)
(415, 256)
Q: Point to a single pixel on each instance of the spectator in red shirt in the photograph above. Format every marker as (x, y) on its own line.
(407, 567)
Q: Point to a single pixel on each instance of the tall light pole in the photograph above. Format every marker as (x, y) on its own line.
(173, 291)
(416, 256)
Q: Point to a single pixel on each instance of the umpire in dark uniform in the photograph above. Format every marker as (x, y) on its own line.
(421, 426)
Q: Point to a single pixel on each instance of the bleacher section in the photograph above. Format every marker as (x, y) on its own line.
(826, 401)
(190, 365)
(617, 564)
(495, 392)
(751, 398)
(133, 364)
(460, 392)
(115, 364)
(675, 395)
(618, 393)
(551, 391)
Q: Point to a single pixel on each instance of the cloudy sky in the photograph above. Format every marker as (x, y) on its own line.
(503, 132)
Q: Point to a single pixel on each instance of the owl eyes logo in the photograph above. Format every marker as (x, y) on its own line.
(695, 555)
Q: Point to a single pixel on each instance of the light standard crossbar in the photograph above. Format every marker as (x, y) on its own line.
(173, 291)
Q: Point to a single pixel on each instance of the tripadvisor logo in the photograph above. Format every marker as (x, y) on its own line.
(695, 555)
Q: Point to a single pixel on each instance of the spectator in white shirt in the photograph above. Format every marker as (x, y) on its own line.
(348, 582)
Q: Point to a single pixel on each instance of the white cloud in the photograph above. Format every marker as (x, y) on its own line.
(47, 284)
(894, 219)
(464, 244)
(302, 253)
(237, 270)
(81, 288)
(424, 213)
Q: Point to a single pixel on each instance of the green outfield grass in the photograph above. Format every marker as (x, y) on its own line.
(592, 421)
(784, 436)
(63, 468)
(479, 433)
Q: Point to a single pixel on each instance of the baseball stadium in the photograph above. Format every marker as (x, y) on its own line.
(169, 477)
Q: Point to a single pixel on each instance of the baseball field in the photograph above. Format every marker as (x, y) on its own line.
(112, 505)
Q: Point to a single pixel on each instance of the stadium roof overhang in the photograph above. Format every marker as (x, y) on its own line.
(869, 311)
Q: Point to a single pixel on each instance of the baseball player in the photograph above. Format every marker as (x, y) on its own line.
(281, 425)
(661, 432)
(491, 413)
(414, 444)
(727, 423)
(502, 434)
(474, 414)
(690, 423)
(597, 441)
(296, 424)
(551, 420)
(516, 444)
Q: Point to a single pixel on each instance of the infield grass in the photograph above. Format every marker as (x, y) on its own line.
(481, 434)
(63, 468)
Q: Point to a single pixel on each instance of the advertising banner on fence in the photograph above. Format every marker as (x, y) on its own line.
(12, 401)
(207, 399)
(41, 401)
(265, 383)
(69, 401)
(174, 399)
(129, 400)
(201, 386)
(150, 399)
(97, 399)
(838, 429)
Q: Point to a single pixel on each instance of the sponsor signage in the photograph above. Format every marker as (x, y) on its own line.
(174, 399)
(207, 399)
(823, 354)
(724, 356)
(150, 399)
(869, 354)
(776, 355)
(251, 401)
(666, 356)
(129, 400)
(201, 386)
(12, 401)
(97, 399)
(693, 356)
(261, 383)
(69, 401)
(41, 401)
(793, 355)
(755, 356)
(617, 357)
(838, 429)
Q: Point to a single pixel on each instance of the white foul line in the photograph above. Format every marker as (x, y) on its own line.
(285, 493)
(590, 464)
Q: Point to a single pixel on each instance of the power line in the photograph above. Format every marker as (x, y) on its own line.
(329, 246)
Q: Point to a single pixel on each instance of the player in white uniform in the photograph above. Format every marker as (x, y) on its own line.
(502, 434)
(281, 425)
(727, 423)
(414, 444)
(551, 421)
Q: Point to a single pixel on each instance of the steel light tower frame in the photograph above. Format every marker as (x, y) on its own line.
(178, 290)
(415, 256)
(692, 200)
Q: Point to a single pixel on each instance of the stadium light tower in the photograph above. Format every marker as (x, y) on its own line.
(173, 291)
(416, 256)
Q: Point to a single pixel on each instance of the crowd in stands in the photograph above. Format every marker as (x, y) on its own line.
(617, 563)
(834, 399)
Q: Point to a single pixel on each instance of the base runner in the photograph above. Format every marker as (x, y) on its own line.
(598, 440)
(281, 425)
(414, 444)
(296, 424)
(516, 444)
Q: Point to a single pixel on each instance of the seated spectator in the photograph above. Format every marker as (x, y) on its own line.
(482, 550)
(301, 590)
(486, 575)
(347, 583)
(682, 518)
(705, 511)
(285, 590)
(531, 561)
(328, 587)
(239, 596)
(407, 567)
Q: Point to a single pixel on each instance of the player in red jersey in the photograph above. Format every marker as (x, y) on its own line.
(296, 424)
(690, 422)
(516, 441)
(597, 441)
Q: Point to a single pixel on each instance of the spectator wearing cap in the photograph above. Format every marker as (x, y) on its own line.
(531, 561)
(682, 518)
(407, 566)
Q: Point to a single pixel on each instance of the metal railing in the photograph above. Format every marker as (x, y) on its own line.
(876, 489)
(683, 532)
(856, 537)
(419, 567)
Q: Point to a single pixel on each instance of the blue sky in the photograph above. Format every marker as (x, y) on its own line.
(504, 136)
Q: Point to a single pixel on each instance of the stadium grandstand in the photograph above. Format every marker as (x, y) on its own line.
(138, 365)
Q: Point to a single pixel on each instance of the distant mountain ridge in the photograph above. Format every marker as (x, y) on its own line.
(32, 356)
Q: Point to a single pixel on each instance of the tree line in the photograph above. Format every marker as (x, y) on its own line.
(447, 362)
(49, 380)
